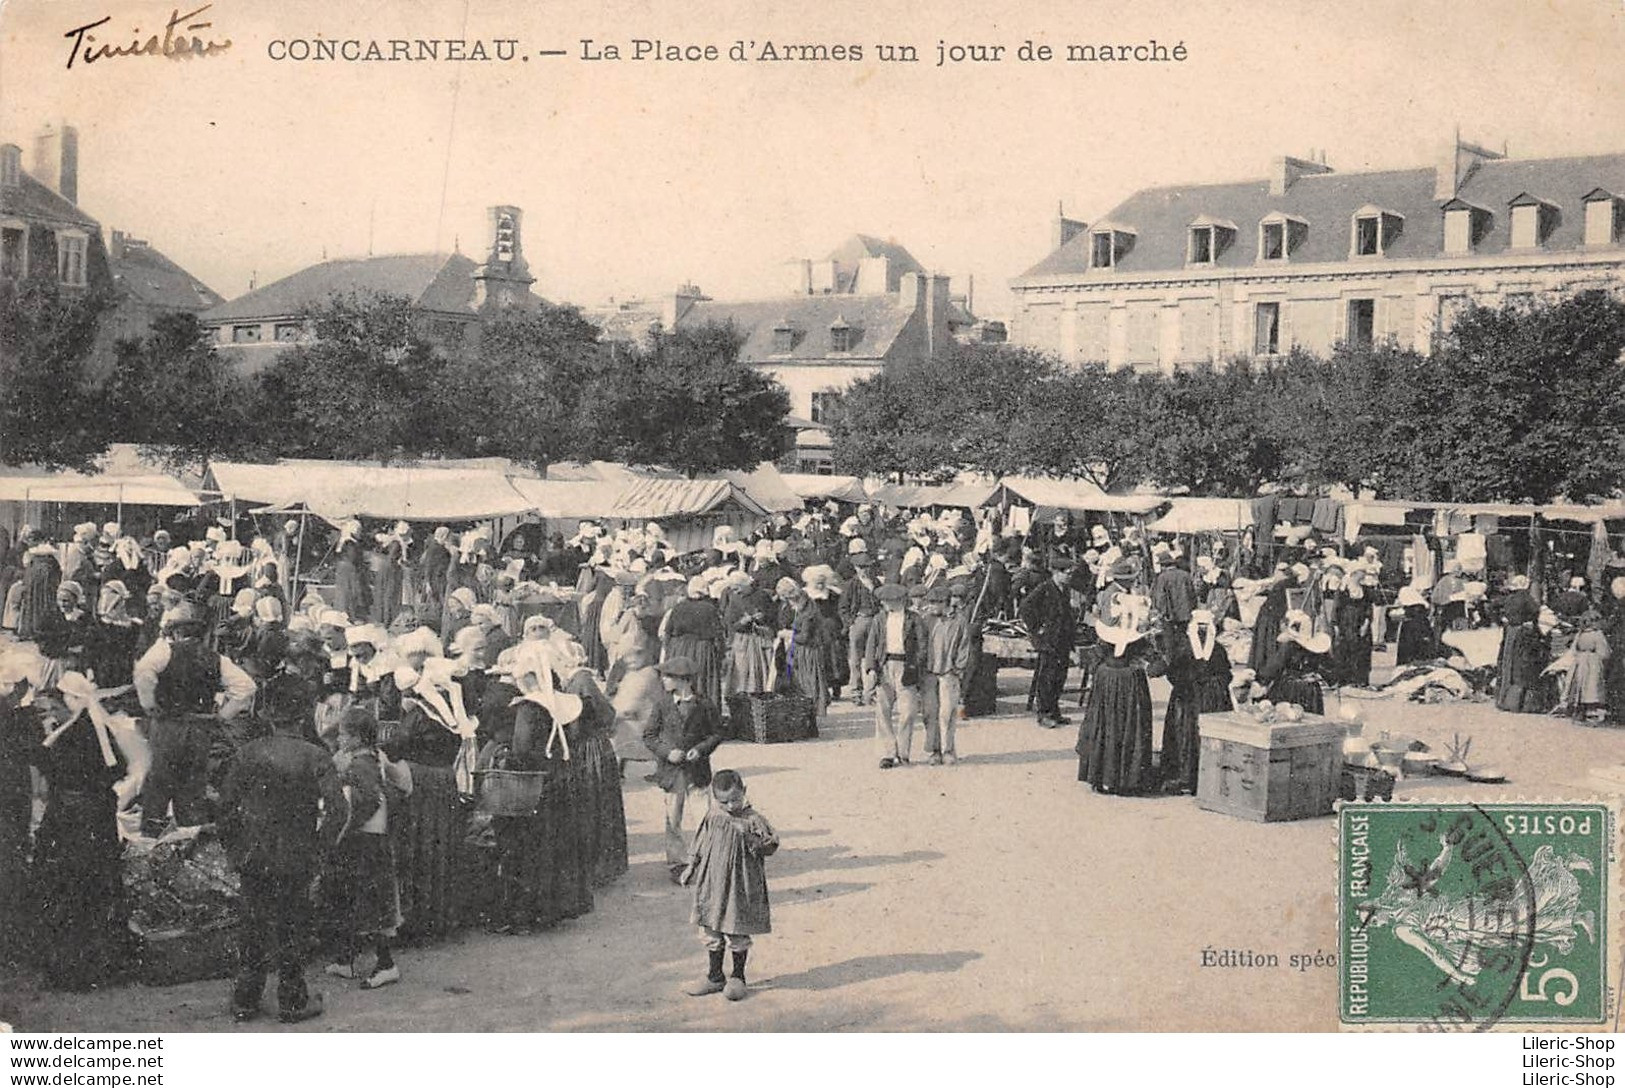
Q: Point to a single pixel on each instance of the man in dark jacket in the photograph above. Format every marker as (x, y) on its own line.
(859, 607)
(685, 731)
(895, 653)
(177, 680)
(1051, 624)
(280, 804)
(989, 601)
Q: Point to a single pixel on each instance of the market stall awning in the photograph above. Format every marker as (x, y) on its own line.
(1075, 495)
(924, 496)
(74, 487)
(839, 488)
(767, 488)
(655, 500)
(1199, 515)
(406, 493)
(563, 500)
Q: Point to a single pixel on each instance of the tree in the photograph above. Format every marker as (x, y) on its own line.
(1203, 430)
(1527, 404)
(51, 411)
(367, 387)
(878, 428)
(686, 400)
(1092, 423)
(173, 393)
(519, 394)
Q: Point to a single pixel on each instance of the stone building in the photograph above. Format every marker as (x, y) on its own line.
(448, 291)
(826, 324)
(1308, 257)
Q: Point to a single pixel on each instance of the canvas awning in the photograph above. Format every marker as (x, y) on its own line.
(405, 493)
(74, 487)
(839, 488)
(767, 488)
(1200, 515)
(1076, 495)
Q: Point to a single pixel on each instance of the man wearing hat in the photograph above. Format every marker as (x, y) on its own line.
(280, 806)
(1173, 596)
(685, 731)
(895, 653)
(947, 661)
(1051, 624)
(177, 681)
(859, 607)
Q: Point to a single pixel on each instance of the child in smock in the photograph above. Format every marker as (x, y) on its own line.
(726, 871)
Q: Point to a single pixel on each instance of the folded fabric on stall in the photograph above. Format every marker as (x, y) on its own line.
(1471, 552)
(1325, 515)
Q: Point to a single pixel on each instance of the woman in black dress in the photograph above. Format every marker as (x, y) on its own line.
(430, 860)
(1114, 740)
(1520, 687)
(1296, 664)
(77, 879)
(1199, 674)
(1268, 624)
(1415, 640)
(1351, 646)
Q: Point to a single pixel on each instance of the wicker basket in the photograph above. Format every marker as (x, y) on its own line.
(771, 719)
(509, 793)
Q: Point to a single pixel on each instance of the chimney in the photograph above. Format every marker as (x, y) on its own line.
(1288, 170)
(798, 277)
(939, 334)
(675, 306)
(1064, 229)
(911, 292)
(115, 248)
(56, 160)
(11, 166)
(1458, 163)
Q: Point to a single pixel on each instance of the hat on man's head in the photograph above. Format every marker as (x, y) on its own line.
(862, 559)
(891, 592)
(937, 594)
(1061, 562)
(676, 666)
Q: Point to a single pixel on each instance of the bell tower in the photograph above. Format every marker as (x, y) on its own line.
(504, 279)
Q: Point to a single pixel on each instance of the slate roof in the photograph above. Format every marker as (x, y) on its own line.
(875, 321)
(151, 278)
(442, 282)
(34, 201)
(1327, 202)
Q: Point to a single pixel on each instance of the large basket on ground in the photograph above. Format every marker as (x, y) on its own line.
(508, 793)
(771, 719)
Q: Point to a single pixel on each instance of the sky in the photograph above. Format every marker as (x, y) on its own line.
(636, 176)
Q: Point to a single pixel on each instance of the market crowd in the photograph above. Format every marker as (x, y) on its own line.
(349, 731)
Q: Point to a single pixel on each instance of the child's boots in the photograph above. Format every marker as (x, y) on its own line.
(734, 988)
(713, 982)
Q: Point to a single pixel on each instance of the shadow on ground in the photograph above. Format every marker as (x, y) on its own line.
(833, 976)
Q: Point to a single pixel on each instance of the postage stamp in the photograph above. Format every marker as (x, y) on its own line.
(1459, 916)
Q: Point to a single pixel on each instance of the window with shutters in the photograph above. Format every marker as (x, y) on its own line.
(1108, 245)
(1279, 235)
(14, 251)
(1465, 225)
(1207, 239)
(70, 258)
(1362, 322)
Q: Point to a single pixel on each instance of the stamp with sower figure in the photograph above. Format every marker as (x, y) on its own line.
(1467, 917)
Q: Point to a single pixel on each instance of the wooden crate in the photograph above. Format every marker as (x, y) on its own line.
(1269, 771)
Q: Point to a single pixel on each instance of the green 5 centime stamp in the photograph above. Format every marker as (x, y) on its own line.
(1465, 917)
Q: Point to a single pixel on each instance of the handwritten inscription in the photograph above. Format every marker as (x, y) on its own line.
(178, 40)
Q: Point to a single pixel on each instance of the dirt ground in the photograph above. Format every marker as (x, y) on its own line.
(1000, 894)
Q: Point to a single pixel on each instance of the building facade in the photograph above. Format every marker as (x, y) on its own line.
(1310, 258)
(828, 323)
(449, 292)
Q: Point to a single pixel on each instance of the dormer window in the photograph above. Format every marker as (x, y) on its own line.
(1374, 231)
(840, 337)
(784, 338)
(1533, 220)
(1605, 218)
(1208, 238)
(1279, 235)
(1465, 225)
(1108, 245)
